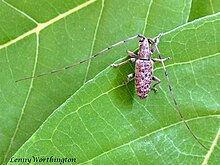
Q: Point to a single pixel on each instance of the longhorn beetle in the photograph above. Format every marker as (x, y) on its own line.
(143, 70)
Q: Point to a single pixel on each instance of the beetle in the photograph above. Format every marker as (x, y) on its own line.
(143, 70)
(143, 67)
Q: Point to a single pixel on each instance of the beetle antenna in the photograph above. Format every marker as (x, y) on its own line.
(78, 63)
(155, 48)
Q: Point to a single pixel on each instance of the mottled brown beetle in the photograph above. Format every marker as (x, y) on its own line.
(143, 66)
(143, 70)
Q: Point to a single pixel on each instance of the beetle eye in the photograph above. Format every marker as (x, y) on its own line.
(150, 41)
(142, 39)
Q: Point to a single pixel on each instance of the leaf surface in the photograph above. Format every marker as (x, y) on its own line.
(40, 36)
(104, 122)
(203, 8)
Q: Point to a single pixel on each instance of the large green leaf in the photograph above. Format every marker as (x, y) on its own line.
(203, 8)
(39, 36)
(104, 122)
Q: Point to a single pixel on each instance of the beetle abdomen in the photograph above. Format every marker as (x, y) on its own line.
(143, 77)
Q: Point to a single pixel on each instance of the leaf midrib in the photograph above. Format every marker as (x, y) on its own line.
(42, 26)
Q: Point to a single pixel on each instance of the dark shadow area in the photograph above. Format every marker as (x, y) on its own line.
(125, 93)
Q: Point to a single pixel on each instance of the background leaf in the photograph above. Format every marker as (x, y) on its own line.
(105, 123)
(203, 8)
(39, 36)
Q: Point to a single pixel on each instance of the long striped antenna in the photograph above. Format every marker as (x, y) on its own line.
(80, 62)
(155, 48)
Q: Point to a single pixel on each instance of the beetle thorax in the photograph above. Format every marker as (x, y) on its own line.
(144, 52)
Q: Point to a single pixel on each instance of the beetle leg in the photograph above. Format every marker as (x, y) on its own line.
(159, 60)
(124, 62)
(157, 82)
(131, 53)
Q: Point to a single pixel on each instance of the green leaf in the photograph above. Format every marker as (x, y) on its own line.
(40, 36)
(203, 8)
(104, 122)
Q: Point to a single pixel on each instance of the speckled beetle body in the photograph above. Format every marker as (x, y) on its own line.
(143, 69)
(143, 77)
(143, 66)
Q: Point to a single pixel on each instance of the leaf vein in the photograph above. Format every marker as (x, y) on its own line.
(41, 26)
(21, 12)
(147, 15)
(94, 39)
(148, 134)
(25, 102)
(214, 144)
